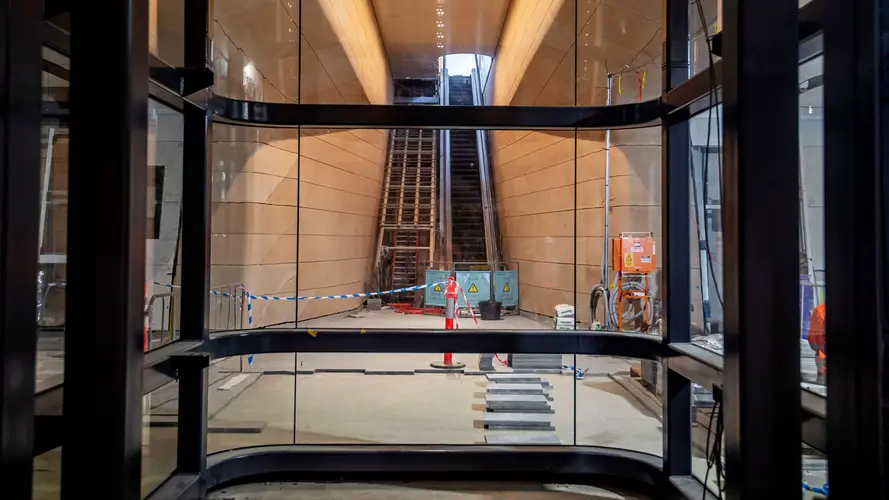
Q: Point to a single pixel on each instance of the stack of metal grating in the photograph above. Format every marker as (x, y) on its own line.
(486, 362)
(536, 361)
(519, 410)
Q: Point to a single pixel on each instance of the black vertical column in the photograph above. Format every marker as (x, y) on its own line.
(20, 62)
(854, 163)
(191, 452)
(101, 455)
(675, 164)
(196, 181)
(761, 258)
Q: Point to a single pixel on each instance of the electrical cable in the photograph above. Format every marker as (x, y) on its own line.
(596, 294)
(637, 291)
(714, 453)
(706, 154)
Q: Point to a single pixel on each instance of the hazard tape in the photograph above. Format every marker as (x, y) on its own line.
(316, 297)
(248, 297)
(346, 296)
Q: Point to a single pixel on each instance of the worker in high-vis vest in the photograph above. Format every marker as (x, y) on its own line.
(818, 339)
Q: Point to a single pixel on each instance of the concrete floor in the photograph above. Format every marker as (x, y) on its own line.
(350, 408)
(388, 318)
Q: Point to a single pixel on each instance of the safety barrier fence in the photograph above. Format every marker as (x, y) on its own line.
(228, 311)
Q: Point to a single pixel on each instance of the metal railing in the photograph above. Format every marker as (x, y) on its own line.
(168, 320)
(229, 307)
(43, 297)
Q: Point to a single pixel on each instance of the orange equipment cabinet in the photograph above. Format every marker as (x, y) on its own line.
(633, 255)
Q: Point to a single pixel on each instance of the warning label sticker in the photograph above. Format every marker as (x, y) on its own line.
(437, 288)
(506, 287)
(646, 259)
(473, 288)
(637, 247)
(628, 259)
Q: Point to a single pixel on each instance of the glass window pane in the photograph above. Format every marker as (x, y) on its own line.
(53, 230)
(160, 410)
(253, 239)
(251, 403)
(815, 485)
(256, 49)
(47, 480)
(166, 34)
(619, 403)
(706, 229)
(704, 17)
(163, 262)
(707, 436)
(813, 349)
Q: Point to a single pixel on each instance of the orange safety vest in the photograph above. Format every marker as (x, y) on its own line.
(816, 329)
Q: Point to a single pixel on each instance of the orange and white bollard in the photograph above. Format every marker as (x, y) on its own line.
(450, 323)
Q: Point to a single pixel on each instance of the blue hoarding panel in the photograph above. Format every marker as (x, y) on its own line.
(476, 285)
(506, 288)
(435, 295)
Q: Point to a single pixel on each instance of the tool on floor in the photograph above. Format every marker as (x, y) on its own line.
(579, 373)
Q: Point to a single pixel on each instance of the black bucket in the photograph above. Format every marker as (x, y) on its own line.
(490, 310)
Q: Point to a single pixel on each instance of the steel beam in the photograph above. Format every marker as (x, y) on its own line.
(196, 184)
(675, 168)
(761, 274)
(20, 66)
(106, 250)
(854, 164)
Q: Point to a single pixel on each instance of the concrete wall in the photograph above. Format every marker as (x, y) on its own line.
(538, 176)
(262, 176)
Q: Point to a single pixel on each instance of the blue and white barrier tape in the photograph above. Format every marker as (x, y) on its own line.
(250, 297)
(346, 296)
(316, 297)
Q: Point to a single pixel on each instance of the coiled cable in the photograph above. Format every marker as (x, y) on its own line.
(630, 291)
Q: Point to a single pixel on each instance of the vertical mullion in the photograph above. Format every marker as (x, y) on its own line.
(761, 402)
(853, 165)
(196, 227)
(20, 65)
(106, 255)
(196, 182)
(676, 405)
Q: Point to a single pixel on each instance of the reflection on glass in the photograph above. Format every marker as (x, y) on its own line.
(706, 228)
(400, 399)
(815, 485)
(252, 404)
(256, 49)
(254, 233)
(380, 398)
(619, 403)
(163, 264)
(160, 410)
(47, 480)
(704, 18)
(813, 350)
(166, 35)
(53, 233)
(707, 436)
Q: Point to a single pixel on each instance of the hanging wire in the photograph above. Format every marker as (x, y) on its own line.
(706, 152)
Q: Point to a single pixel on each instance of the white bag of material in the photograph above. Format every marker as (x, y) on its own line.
(563, 323)
(564, 311)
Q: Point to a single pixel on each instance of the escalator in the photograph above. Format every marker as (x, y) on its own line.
(436, 209)
(469, 219)
(467, 209)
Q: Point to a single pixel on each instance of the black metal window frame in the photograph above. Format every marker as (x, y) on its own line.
(137, 76)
